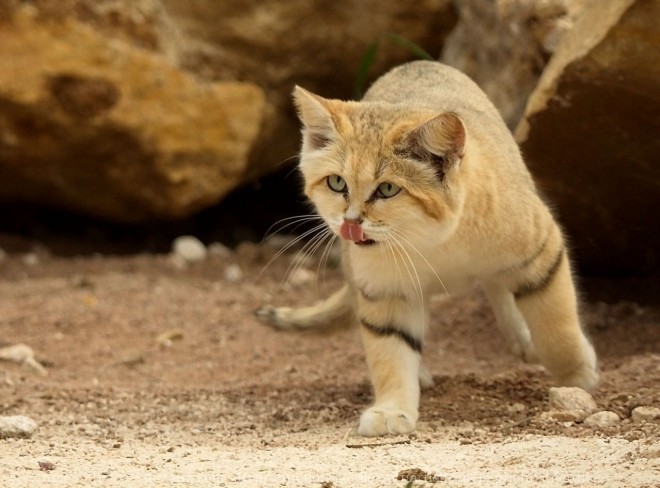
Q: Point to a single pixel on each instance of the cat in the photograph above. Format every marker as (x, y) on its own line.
(427, 188)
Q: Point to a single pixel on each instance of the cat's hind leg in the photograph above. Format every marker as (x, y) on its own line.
(548, 303)
(334, 312)
(510, 321)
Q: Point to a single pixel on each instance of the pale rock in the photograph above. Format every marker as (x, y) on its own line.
(125, 109)
(605, 418)
(590, 136)
(314, 43)
(91, 122)
(571, 404)
(281, 242)
(30, 259)
(189, 249)
(565, 415)
(233, 273)
(22, 354)
(301, 277)
(503, 46)
(516, 408)
(16, 426)
(646, 414)
(219, 250)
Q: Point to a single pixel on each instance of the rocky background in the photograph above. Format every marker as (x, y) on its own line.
(143, 111)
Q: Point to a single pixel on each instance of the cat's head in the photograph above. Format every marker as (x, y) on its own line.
(378, 173)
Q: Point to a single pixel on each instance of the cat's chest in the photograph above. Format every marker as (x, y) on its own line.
(395, 273)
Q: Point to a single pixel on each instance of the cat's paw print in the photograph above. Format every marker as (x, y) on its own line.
(380, 421)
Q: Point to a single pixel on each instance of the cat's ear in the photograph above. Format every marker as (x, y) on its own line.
(440, 140)
(316, 117)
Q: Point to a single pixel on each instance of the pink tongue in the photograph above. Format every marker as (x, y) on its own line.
(352, 232)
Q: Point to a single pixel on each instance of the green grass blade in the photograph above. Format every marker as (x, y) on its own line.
(409, 45)
(367, 61)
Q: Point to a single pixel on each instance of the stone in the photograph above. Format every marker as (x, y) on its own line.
(189, 249)
(590, 136)
(104, 127)
(127, 109)
(16, 426)
(233, 273)
(646, 414)
(22, 354)
(604, 418)
(575, 400)
(301, 277)
(30, 259)
(504, 46)
(314, 43)
(219, 249)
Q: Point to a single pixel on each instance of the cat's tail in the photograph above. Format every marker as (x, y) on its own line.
(329, 315)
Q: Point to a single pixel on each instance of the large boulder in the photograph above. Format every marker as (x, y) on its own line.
(103, 127)
(504, 45)
(313, 43)
(130, 109)
(591, 135)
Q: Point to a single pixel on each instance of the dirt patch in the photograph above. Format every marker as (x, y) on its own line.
(228, 402)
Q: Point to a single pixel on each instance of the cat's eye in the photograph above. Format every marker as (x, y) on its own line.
(337, 183)
(387, 190)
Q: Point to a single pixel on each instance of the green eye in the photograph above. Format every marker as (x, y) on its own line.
(387, 190)
(337, 183)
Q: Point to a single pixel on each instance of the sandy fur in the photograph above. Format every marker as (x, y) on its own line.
(467, 212)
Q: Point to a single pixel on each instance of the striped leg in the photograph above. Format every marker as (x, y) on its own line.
(549, 306)
(392, 333)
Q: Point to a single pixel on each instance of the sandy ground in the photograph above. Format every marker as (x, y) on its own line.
(160, 376)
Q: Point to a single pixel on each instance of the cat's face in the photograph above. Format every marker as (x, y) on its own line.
(380, 176)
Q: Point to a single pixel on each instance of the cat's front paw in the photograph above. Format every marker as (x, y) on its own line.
(525, 351)
(585, 377)
(377, 421)
(276, 317)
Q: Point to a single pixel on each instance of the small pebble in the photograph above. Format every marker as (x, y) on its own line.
(605, 418)
(280, 241)
(189, 248)
(233, 273)
(248, 252)
(516, 408)
(168, 337)
(30, 259)
(301, 277)
(217, 249)
(46, 466)
(16, 426)
(646, 414)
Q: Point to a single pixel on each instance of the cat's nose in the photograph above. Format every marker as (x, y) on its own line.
(356, 220)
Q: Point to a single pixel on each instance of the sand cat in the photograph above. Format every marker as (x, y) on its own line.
(427, 189)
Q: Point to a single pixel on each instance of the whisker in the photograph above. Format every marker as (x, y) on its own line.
(289, 245)
(307, 251)
(293, 220)
(286, 160)
(398, 248)
(324, 260)
(414, 268)
(414, 248)
(396, 262)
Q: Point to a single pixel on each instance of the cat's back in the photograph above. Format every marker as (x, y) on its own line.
(432, 85)
(435, 86)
